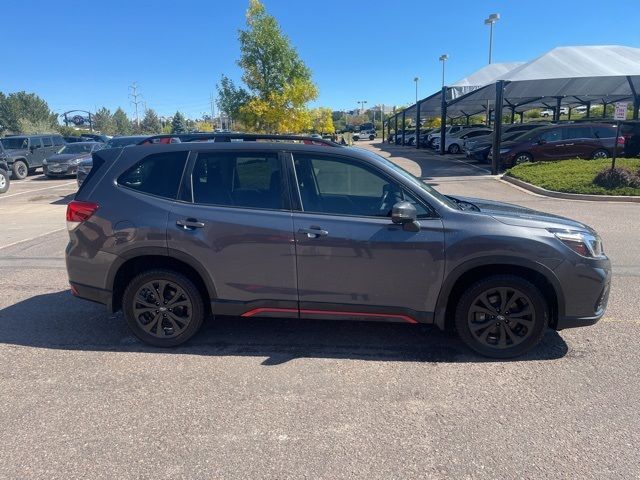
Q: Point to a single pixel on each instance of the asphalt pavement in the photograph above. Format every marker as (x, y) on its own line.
(80, 397)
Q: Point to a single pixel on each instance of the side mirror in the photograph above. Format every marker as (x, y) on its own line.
(541, 141)
(405, 214)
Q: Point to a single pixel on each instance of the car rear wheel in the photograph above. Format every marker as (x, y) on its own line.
(372, 137)
(454, 148)
(4, 181)
(163, 308)
(601, 153)
(522, 158)
(20, 170)
(501, 316)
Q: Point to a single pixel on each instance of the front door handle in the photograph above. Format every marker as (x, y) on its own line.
(314, 232)
(189, 224)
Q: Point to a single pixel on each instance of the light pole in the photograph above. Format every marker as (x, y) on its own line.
(416, 80)
(443, 58)
(493, 18)
(361, 102)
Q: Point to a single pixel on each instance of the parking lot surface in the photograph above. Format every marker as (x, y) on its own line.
(80, 397)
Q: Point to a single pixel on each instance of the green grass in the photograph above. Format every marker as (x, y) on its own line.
(573, 176)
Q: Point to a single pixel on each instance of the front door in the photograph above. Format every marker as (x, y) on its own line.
(36, 152)
(353, 262)
(237, 224)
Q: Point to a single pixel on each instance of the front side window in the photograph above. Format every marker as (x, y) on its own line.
(339, 186)
(247, 180)
(158, 174)
(551, 135)
(35, 143)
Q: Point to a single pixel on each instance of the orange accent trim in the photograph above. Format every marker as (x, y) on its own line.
(404, 318)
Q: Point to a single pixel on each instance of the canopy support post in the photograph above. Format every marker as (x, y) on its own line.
(556, 111)
(404, 125)
(395, 139)
(604, 109)
(513, 114)
(443, 118)
(588, 104)
(497, 127)
(417, 126)
(521, 117)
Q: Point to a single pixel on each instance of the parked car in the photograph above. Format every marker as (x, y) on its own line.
(410, 138)
(549, 112)
(365, 135)
(557, 142)
(582, 109)
(448, 131)
(478, 148)
(65, 162)
(84, 167)
(5, 182)
(172, 233)
(453, 143)
(25, 153)
(631, 132)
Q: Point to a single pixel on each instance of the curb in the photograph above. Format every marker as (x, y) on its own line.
(569, 196)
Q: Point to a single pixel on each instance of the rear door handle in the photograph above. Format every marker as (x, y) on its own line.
(189, 224)
(314, 232)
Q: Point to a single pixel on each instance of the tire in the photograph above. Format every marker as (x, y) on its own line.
(522, 158)
(372, 137)
(600, 153)
(142, 296)
(493, 297)
(19, 170)
(4, 181)
(454, 148)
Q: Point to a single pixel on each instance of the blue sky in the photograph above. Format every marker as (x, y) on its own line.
(85, 54)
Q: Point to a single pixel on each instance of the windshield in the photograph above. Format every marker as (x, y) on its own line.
(15, 143)
(118, 142)
(77, 148)
(413, 180)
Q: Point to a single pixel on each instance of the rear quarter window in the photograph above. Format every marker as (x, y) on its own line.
(604, 132)
(47, 142)
(158, 174)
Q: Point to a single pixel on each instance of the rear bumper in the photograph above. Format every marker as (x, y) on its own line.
(92, 294)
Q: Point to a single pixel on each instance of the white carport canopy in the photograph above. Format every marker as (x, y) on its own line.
(570, 75)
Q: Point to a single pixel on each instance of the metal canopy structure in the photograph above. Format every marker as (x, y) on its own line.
(563, 76)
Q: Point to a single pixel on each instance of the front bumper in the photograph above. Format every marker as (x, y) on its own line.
(59, 170)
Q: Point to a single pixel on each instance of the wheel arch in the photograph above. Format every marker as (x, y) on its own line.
(19, 159)
(473, 270)
(140, 260)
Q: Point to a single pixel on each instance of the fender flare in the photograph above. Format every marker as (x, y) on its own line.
(453, 277)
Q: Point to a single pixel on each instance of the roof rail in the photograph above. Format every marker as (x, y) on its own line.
(230, 137)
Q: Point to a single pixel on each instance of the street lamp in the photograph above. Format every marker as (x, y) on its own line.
(493, 18)
(361, 102)
(416, 79)
(443, 58)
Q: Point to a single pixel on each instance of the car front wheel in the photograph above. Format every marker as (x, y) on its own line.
(501, 316)
(20, 170)
(600, 154)
(4, 181)
(454, 148)
(163, 308)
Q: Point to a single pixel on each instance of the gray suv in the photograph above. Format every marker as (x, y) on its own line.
(172, 233)
(26, 153)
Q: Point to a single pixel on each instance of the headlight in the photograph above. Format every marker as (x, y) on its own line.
(583, 243)
(505, 150)
(44, 162)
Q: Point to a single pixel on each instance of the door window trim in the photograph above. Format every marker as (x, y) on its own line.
(299, 207)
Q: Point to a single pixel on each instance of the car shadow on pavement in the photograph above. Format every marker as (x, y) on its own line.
(60, 321)
(64, 200)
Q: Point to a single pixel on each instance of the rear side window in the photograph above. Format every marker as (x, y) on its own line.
(248, 180)
(577, 132)
(58, 141)
(47, 141)
(158, 174)
(35, 143)
(604, 132)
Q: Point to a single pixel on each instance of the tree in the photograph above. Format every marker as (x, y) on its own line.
(150, 123)
(178, 124)
(21, 109)
(323, 120)
(278, 83)
(103, 121)
(121, 123)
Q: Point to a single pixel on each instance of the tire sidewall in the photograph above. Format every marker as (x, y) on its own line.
(538, 304)
(186, 284)
(16, 167)
(7, 182)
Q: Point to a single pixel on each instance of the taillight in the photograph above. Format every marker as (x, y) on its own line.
(78, 212)
(621, 141)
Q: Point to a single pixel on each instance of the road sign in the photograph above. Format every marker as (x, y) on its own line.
(621, 111)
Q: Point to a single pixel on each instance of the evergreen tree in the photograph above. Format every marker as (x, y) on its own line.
(103, 121)
(122, 124)
(178, 124)
(150, 123)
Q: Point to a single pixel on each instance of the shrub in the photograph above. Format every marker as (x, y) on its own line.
(616, 178)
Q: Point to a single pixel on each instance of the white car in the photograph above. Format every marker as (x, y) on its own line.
(364, 135)
(453, 143)
(580, 109)
(447, 131)
(549, 112)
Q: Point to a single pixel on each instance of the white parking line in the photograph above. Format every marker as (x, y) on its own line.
(32, 238)
(472, 165)
(37, 190)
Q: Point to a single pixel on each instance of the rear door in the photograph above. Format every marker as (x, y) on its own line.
(235, 221)
(577, 141)
(36, 152)
(353, 262)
